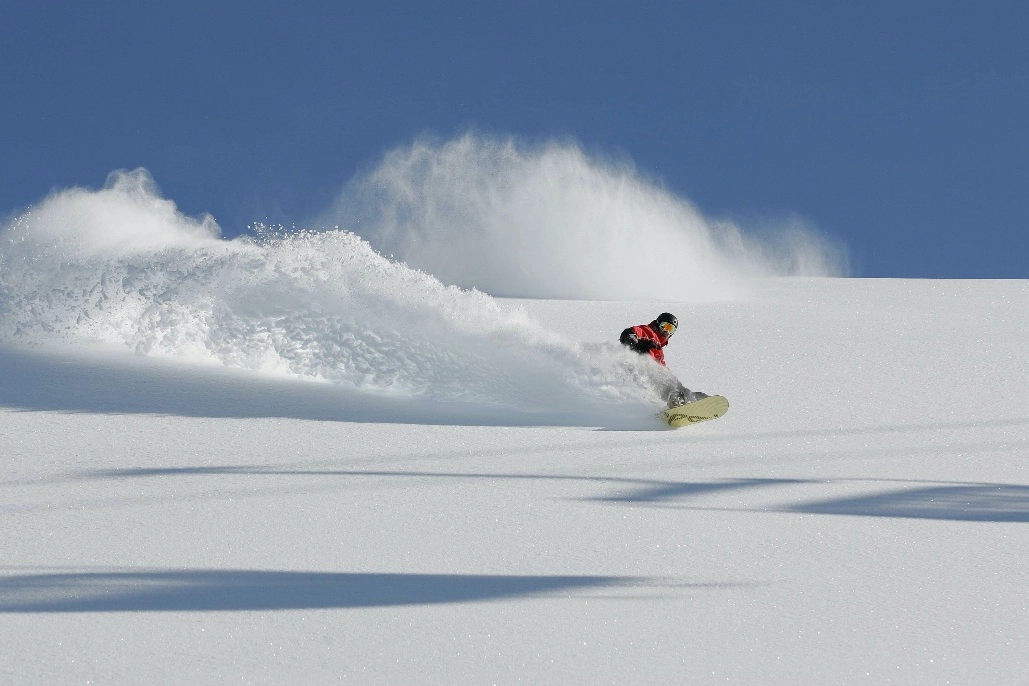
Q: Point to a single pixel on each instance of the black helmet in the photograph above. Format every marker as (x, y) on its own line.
(666, 324)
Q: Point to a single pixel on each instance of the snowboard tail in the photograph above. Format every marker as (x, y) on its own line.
(705, 409)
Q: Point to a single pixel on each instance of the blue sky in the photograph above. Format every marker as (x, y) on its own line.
(896, 127)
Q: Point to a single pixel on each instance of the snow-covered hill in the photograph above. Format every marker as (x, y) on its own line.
(290, 459)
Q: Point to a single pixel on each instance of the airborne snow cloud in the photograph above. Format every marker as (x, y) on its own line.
(548, 220)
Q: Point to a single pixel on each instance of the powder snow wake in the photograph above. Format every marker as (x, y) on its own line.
(122, 266)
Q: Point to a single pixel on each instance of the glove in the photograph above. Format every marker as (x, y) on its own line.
(634, 342)
(645, 345)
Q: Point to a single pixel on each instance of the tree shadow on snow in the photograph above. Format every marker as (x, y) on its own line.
(246, 590)
(960, 501)
(964, 502)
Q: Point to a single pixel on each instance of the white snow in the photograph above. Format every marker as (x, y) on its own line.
(295, 461)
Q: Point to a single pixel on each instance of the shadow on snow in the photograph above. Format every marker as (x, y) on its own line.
(245, 590)
(965, 502)
(121, 383)
(959, 501)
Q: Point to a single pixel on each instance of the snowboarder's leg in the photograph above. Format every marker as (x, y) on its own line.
(676, 394)
(669, 388)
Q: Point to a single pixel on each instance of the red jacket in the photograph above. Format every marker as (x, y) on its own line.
(646, 332)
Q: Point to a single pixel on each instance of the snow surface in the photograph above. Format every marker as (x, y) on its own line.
(289, 459)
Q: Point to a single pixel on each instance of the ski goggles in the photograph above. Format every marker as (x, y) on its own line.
(667, 328)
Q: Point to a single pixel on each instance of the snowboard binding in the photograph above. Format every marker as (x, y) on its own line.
(684, 396)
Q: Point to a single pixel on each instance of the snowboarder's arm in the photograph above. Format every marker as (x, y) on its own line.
(640, 345)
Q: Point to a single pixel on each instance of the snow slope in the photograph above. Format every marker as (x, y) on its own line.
(290, 459)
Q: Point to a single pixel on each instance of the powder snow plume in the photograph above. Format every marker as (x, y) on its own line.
(121, 265)
(549, 221)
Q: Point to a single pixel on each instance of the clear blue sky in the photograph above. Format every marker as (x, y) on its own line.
(898, 127)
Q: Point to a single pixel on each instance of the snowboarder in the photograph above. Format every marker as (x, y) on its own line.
(650, 339)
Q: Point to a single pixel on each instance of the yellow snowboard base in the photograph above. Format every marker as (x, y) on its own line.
(711, 407)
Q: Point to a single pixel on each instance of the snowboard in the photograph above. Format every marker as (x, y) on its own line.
(711, 407)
